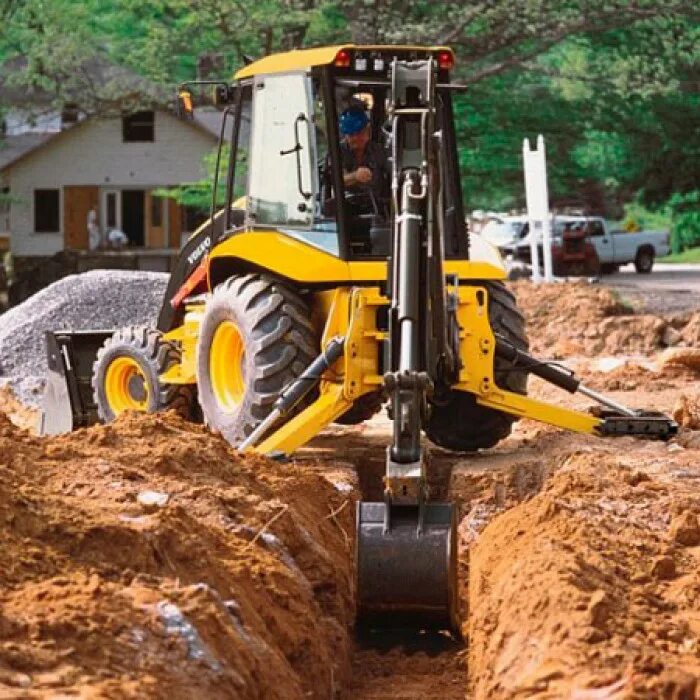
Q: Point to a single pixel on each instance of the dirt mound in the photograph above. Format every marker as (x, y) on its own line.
(579, 318)
(686, 412)
(591, 588)
(21, 415)
(681, 357)
(632, 376)
(147, 559)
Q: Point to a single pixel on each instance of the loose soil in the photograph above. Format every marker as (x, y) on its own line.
(147, 559)
(580, 319)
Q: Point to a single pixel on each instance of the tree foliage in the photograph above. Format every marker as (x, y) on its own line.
(613, 85)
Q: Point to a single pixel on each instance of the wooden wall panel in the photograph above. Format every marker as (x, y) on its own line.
(156, 234)
(174, 224)
(77, 201)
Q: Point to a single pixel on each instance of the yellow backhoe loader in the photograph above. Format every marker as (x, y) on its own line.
(315, 297)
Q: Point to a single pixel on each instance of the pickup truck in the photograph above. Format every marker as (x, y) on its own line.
(614, 247)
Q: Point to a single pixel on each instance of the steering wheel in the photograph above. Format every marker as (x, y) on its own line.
(361, 199)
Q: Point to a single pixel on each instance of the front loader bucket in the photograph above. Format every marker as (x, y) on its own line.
(68, 402)
(407, 572)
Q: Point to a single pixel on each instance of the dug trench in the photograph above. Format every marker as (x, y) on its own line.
(147, 559)
(578, 567)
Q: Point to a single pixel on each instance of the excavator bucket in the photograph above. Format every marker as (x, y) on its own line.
(68, 402)
(406, 565)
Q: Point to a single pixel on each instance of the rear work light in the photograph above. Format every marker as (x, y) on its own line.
(342, 59)
(445, 60)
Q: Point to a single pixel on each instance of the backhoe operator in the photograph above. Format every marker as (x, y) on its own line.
(365, 164)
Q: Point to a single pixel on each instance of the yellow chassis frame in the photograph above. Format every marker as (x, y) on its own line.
(352, 313)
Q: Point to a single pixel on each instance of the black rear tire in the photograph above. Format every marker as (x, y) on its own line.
(463, 425)
(148, 355)
(644, 261)
(278, 344)
(363, 409)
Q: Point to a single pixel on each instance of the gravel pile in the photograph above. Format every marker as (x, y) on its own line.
(93, 300)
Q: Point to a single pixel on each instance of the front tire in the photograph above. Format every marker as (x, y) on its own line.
(255, 338)
(126, 375)
(461, 424)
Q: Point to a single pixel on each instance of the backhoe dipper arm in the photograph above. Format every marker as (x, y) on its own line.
(412, 372)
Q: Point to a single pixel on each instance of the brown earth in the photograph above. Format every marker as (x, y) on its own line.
(579, 562)
(19, 414)
(576, 318)
(588, 585)
(238, 586)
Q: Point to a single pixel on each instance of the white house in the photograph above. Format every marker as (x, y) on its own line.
(112, 164)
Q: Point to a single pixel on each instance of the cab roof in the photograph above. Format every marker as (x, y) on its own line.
(299, 59)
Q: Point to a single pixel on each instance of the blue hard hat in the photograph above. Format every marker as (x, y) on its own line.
(352, 121)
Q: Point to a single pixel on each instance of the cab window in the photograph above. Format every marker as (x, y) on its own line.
(595, 228)
(281, 172)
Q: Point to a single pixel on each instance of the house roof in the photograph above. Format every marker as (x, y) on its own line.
(103, 89)
(96, 85)
(12, 148)
(210, 120)
(15, 148)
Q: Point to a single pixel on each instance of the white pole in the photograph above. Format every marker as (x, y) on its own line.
(529, 166)
(546, 222)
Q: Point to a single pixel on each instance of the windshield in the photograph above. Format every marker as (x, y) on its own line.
(502, 231)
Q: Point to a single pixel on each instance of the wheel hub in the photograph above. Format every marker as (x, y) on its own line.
(126, 387)
(226, 355)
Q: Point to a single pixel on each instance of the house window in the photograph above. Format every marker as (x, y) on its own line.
(156, 211)
(139, 126)
(46, 211)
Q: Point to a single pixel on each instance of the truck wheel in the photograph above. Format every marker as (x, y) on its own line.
(125, 375)
(255, 338)
(461, 424)
(644, 261)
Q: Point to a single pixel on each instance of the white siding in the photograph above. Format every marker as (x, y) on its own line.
(94, 154)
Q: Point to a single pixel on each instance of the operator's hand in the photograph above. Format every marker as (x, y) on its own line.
(363, 175)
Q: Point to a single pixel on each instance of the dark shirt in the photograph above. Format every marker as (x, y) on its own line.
(374, 157)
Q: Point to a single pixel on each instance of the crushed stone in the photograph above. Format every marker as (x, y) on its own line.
(99, 299)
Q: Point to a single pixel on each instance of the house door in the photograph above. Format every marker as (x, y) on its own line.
(111, 210)
(133, 216)
(77, 202)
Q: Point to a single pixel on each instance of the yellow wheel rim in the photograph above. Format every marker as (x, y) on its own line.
(226, 365)
(126, 386)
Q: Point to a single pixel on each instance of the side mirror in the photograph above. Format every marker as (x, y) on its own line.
(185, 104)
(224, 95)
